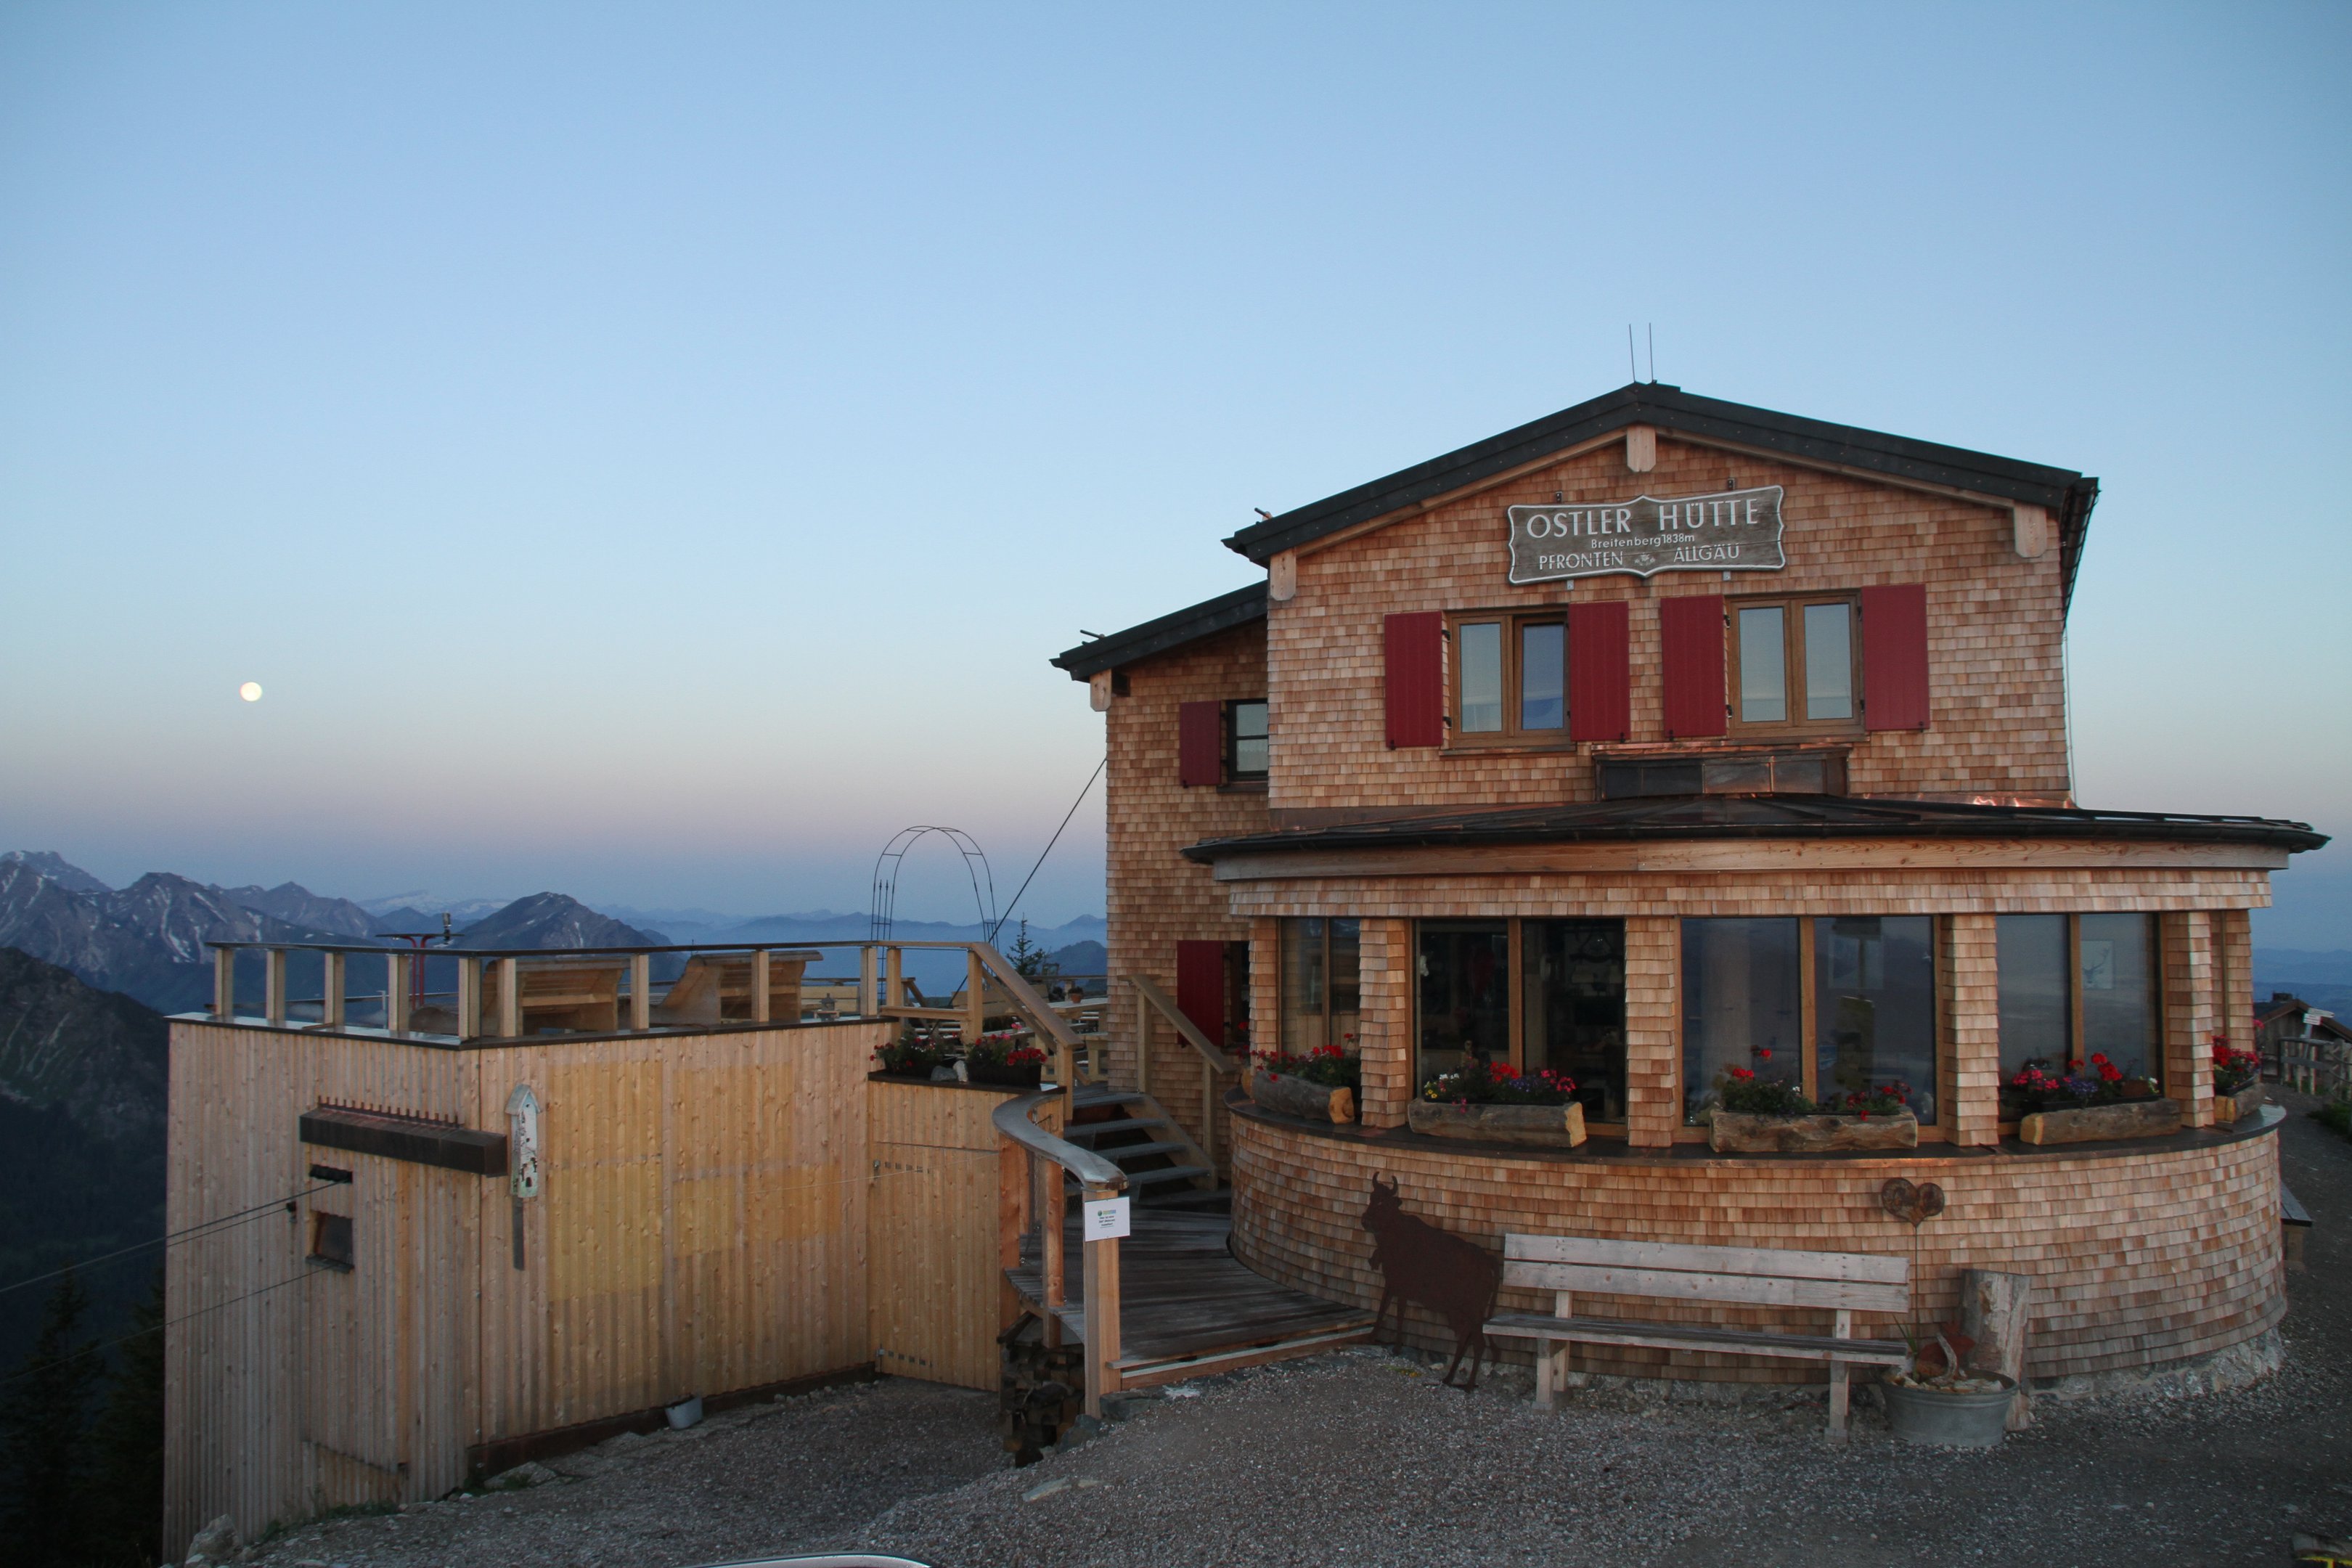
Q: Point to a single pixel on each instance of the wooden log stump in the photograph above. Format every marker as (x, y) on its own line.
(1739, 1132)
(1542, 1125)
(1294, 1095)
(2230, 1108)
(1993, 1314)
(2100, 1123)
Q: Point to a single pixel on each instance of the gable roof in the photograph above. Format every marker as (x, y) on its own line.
(1222, 613)
(2067, 496)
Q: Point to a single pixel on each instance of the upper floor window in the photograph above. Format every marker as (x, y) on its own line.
(1510, 677)
(1795, 664)
(1246, 742)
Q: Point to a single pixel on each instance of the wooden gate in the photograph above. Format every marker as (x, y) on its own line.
(937, 1295)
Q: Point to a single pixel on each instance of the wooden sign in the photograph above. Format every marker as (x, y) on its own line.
(1728, 530)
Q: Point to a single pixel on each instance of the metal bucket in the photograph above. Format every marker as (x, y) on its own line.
(1953, 1420)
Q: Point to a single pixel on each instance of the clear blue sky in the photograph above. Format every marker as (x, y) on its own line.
(651, 452)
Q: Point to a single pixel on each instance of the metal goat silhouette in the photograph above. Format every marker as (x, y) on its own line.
(1454, 1278)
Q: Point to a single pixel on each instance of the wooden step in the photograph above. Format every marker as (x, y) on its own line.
(1126, 1152)
(1089, 1098)
(1086, 1130)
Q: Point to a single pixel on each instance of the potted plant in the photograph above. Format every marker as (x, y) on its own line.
(910, 1058)
(1322, 1086)
(2082, 1107)
(1940, 1399)
(1490, 1103)
(1005, 1060)
(2237, 1081)
(1758, 1116)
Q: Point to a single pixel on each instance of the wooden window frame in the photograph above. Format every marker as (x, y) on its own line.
(1809, 1024)
(2158, 1003)
(1515, 1006)
(1792, 663)
(1511, 734)
(1233, 775)
(1285, 941)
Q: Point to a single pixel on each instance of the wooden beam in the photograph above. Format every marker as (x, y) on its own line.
(1102, 1305)
(868, 999)
(641, 988)
(224, 984)
(2031, 528)
(469, 997)
(509, 998)
(974, 1021)
(1641, 447)
(330, 989)
(1282, 577)
(395, 991)
(1098, 690)
(760, 999)
(273, 985)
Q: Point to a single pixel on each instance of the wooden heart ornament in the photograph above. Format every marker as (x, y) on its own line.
(1911, 1203)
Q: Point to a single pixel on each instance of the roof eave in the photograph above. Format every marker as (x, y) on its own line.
(1167, 632)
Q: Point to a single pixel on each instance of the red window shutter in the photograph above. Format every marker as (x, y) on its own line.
(1415, 668)
(1600, 671)
(1895, 657)
(1690, 651)
(1200, 744)
(1200, 986)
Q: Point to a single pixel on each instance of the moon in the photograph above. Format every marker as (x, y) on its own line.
(250, 691)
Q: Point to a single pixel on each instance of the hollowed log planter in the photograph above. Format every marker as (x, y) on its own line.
(1294, 1095)
(1743, 1132)
(1554, 1126)
(2100, 1123)
(2229, 1108)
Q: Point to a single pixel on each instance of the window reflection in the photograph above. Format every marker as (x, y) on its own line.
(1481, 676)
(1543, 675)
(1740, 1005)
(1763, 667)
(1461, 984)
(1874, 1003)
(1829, 661)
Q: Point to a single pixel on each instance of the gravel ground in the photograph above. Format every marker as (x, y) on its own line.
(1364, 1457)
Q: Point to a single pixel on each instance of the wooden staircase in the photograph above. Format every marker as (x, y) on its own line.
(1166, 1169)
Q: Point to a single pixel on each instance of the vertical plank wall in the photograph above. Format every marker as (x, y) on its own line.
(290, 1387)
(701, 1227)
(937, 1286)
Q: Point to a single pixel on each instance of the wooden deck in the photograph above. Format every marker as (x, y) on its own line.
(1189, 1307)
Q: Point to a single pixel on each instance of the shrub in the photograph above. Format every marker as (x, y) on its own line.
(1491, 1083)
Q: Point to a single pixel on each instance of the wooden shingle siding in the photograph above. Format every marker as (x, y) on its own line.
(2137, 1259)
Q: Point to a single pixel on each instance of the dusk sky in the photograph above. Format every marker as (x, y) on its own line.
(652, 452)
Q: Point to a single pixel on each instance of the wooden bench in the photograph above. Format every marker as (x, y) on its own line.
(715, 990)
(1843, 1283)
(574, 993)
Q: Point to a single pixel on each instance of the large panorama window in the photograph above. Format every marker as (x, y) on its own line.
(1321, 995)
(1796, 665)
(1529, 994)
(1830, 1006)
(1510, 677)
(2077, 986)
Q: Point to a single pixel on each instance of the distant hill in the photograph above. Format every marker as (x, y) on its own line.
(82, 1102)
(57, 870)
(555, 921)
(146, 941)
(298, 905)
(1081, 958)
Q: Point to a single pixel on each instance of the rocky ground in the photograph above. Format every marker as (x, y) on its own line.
(1363, 1458)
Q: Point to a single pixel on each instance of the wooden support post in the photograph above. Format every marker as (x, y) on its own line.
(395, 991)
(1011, 1172)
(1209, 1116)
(224, 984)
(273, 985)
(1102, 1317)
(1993, 1314)
(1049, 1227)
(330, 989)
(469, 998)
(975, 998)
(641, 990)
(1839, 1374)
(894, 987)
(509, 997)
(1142, 1042)
(759, 1000)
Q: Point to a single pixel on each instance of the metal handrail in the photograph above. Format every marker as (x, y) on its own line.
(1014, 1119)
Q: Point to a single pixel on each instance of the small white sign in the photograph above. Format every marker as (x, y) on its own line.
(1105, 1219)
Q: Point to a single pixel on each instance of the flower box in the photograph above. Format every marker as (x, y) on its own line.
(1743, 1132)
(2229, 1108)
(1295, 1095)
(2099, 1123)
(1555, 1126)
